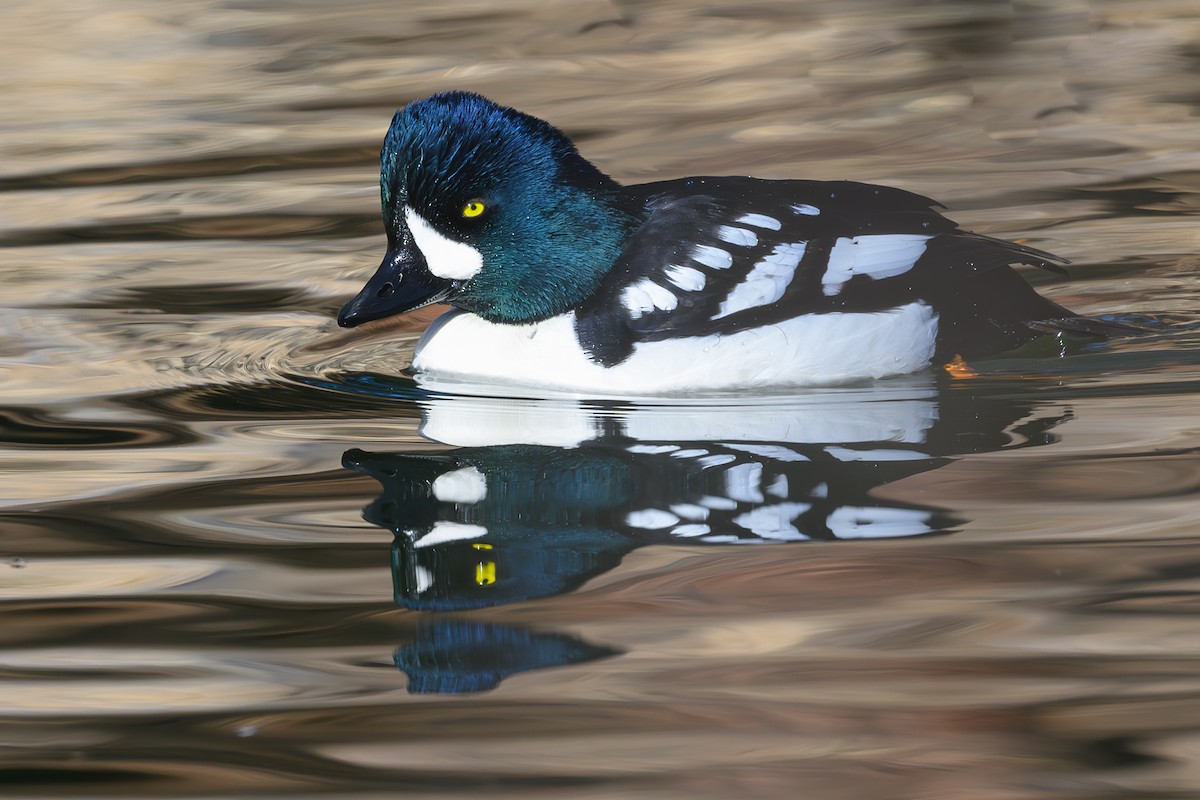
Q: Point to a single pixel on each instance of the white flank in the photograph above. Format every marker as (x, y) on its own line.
(738, 236)
(809, 350)
(878, 256)
(443, 532)
(444, 257)
(767, 281)
(760, 221)
(806, 210)
(686, 278)
(652, 519)
(713, 257)
(466, 485)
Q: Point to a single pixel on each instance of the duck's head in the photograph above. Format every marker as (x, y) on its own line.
(490, 210)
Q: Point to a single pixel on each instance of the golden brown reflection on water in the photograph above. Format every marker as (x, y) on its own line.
(196, 607)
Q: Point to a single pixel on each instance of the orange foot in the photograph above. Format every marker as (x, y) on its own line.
(958, 368)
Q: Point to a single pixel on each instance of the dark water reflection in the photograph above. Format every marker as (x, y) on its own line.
(242, 556)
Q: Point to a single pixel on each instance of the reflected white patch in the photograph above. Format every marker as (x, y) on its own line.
(651, 449)
(444, 257)
(778, 487)
(690, 511)
(738, 236)
(466, 485)
(686, 278)
(847, 454)
(742, 482)
(806, 210)
(854, 522)
(774, 522)
(877, 257)
(693, 453)
(718, 503)
(716, 460)
(652, 519)
(760, 221)
(443, 532)
(766, 282)
(713, 257)
(693, 529)
(820, 490)
(774, 452)
(424, 579)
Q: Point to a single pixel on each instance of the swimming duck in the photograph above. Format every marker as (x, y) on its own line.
(561, 278)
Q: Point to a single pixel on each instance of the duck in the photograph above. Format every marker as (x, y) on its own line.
(559, 278)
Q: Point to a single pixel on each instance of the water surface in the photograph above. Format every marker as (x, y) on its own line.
(242, 555)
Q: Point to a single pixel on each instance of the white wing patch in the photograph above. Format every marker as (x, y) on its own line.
(760, 221)
(806, 210)
(878, 256)
(645, 296)
(738, 236)
(766, 282)
(445, 258)
(713, 257)
(686, 278)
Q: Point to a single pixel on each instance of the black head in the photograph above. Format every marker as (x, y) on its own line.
(491, 210)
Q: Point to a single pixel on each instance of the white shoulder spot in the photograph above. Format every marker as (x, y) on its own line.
(876, 256)
(760, 221)
(738, 236)
(686, 278)
(766, 282)
(713, 257)
(445, 258)
(466, 485)
(645, 296)
(806, 210)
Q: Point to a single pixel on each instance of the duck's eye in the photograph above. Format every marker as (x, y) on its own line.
(473, 209)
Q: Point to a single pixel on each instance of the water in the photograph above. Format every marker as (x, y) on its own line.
(224, 565)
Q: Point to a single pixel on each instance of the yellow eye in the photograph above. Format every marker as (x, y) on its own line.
(473, 208)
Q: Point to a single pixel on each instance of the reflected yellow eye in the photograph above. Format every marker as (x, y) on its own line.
(473, 208)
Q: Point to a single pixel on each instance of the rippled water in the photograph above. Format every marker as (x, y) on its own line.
(247, 557)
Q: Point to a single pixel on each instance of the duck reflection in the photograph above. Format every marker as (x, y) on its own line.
(548, 494)
(457, 656)
(536, 497)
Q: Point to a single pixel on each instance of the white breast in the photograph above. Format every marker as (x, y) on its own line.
(812, 350)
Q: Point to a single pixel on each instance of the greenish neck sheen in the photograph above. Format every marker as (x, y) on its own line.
(549, 257)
